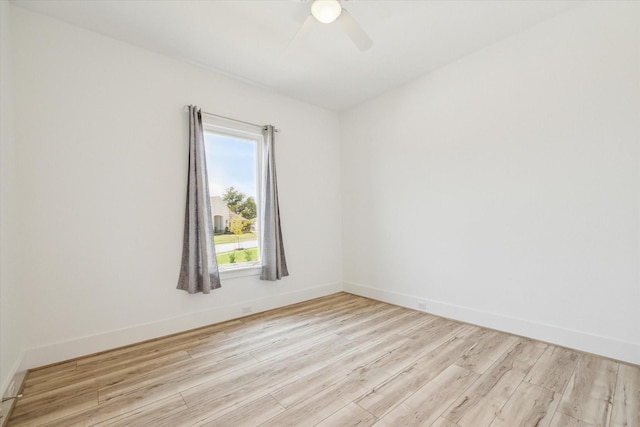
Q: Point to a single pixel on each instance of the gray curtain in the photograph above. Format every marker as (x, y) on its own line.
(274, 263)
(199, 271)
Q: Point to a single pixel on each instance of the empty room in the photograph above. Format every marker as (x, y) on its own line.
(320, 213)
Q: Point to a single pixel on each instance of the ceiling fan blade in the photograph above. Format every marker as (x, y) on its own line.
(302, 32)
(354, 30)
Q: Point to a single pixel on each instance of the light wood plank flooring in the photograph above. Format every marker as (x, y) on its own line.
(341, 360)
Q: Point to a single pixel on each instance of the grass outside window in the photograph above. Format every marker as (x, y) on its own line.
(241, 256)
(232, 238)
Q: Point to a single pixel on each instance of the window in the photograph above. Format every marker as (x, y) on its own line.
(233, 155)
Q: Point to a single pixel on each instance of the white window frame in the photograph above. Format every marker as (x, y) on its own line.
(241, 131)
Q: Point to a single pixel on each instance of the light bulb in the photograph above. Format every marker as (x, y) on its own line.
(326, 11)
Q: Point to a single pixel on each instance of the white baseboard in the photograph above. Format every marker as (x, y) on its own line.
(11, 376)
(10, 387)
(65, 350)
(604, 346)
(61, 351)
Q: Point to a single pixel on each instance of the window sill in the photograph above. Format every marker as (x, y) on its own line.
(247, 270)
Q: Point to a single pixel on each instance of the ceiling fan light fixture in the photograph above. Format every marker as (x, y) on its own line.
(326, 11)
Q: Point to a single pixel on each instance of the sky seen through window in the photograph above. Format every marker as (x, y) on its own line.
(231, 162)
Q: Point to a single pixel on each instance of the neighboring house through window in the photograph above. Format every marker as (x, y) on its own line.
(220, 213)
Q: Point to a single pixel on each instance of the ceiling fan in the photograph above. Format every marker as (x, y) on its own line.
(332, 12)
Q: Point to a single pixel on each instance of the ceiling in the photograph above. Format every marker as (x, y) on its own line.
(248, 40)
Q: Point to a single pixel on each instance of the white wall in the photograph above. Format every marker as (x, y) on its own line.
(11, 302)
(503, 189)
(102, 138)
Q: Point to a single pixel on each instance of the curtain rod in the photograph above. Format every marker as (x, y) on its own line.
(186, 108)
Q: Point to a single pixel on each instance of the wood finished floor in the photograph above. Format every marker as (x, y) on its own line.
(341, 360)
